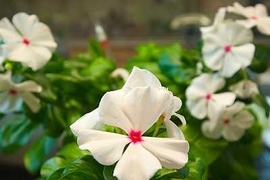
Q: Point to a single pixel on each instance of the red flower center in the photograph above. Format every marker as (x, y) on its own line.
(12, 92)
(226, 121)
(135, 136)
(208, 96)
(26, 42)
(227, 48)
(253, 18)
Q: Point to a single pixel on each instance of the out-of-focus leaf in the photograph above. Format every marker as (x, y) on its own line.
(36, 154)
(197, 169)
(260, 60)
(208, 150)
(15, 131)
(66, 155)
(260, 100)
(108, 173)
(95, 49)
(82, 168)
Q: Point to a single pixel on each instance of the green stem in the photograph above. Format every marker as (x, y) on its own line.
(244, 74)
(158, 124)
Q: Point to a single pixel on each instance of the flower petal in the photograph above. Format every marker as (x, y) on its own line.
(31, 101)
(173, 131)
(230, 65)
(238, 34)
(211, 129)
(243, 120)
(263, 25)
(29, 86)
(141, 106)
(261, 10)
(8, 32)
(226, 98)
(5, 81)
(234, 109)
(141, 78)
(105, 147)
(171, 152)
(88, 121)
(174, 105)
(232, 133)
(244, 54)
(136, 164)
(41, 36)
(25, 23)
(214, 109)
(110, 110)
(10, 104)
(197, 108)
(32, 56)
(212, 55)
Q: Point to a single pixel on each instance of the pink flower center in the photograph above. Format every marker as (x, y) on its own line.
(227, 48)
(135, 136)
(12, 92)
(208, 96)
(253, 18)
(226, 121)
(26, 42)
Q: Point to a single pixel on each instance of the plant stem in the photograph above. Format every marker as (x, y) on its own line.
(244, 74)
(158, 124)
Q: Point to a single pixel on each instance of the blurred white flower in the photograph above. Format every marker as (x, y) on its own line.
(245, 89)
(202, 99)
(256, 16)
(134, 111)
(231, 124)
(219, 18)
(13, 95)
(120, 72)
(27, 40)
(228, 49)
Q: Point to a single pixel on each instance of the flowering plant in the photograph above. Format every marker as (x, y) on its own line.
(171, 113)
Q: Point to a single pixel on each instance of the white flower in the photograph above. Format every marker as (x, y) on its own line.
(120, 72)
(13, 95)
(256, 16)
(136, 156)
(27, 40)
(228, 49)
(231, 124)
(139, 78)
(245, 89)
(219, 18)
(201, 98)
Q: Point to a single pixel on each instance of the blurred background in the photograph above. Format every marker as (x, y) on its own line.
(127, 23)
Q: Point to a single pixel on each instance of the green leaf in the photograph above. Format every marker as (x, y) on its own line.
(52, 165)
(260, 61)
(197, 169)
(108, 173)
(66, 155)
(208, 150)
(54, 124)
(15, 132)
(85, 167)
(260, 100)
(95, 49)
(36, 154)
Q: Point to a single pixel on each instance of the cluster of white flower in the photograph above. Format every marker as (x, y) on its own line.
(227, 48)
(30, 42)
(134, 109)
